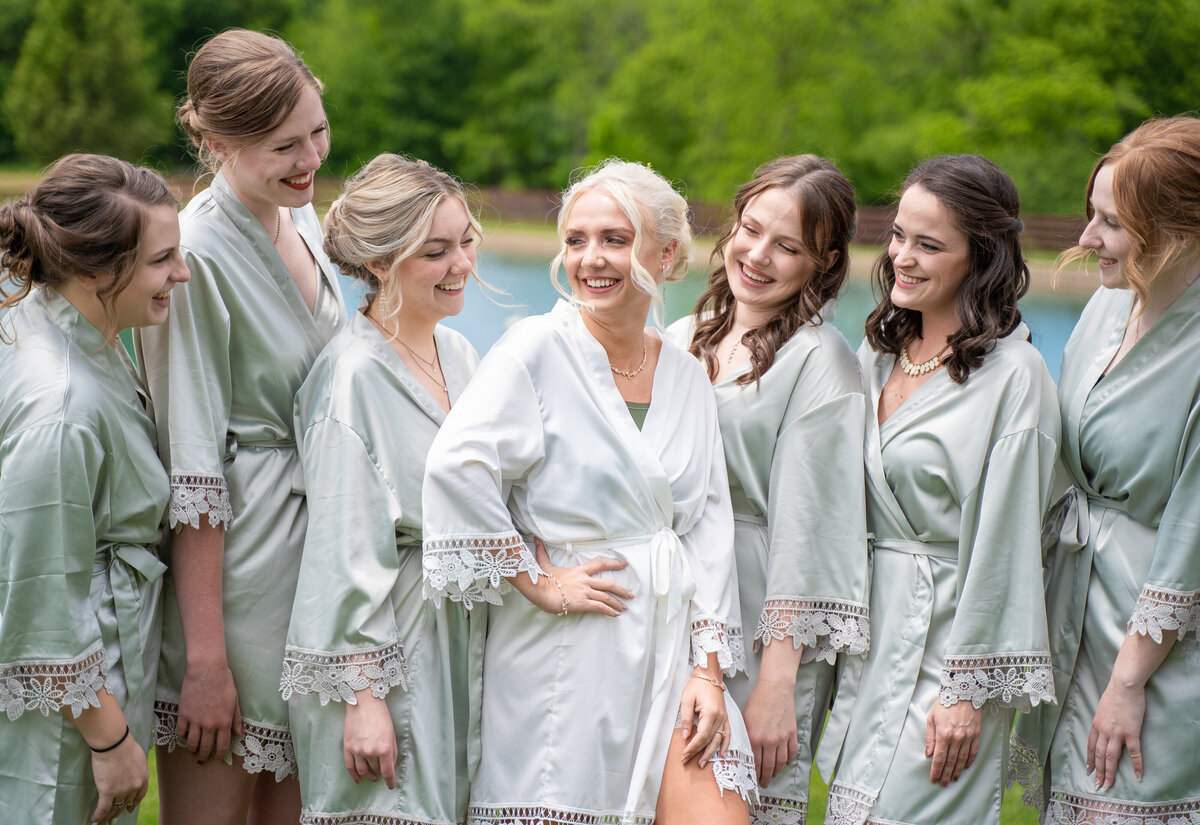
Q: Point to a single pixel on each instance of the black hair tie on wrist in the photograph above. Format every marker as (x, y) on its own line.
(113, 746)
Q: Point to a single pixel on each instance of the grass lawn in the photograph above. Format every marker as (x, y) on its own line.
(1014, 812)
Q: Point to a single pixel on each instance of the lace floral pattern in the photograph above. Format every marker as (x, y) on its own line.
(1160, 609)
(193, 496)
(336, 676)
(848, 805)
(1076, 809)
(735, 772)
(46, 686)
(711, 636)
(1013, 680)
(263, 748)
(824, 627)
(473, 569)
(537, 815)
(780, 810)
(1026, 770)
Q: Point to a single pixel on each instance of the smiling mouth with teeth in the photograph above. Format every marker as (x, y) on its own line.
(300, 182)
(753, 276)
(454, 286)
(908, 279)
(600, 283)
(161, 295)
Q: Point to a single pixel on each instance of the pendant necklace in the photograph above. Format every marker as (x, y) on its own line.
(421, 362)
(915, 370)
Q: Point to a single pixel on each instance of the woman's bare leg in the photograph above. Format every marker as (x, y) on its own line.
(190, 793)
(275, 803)
(690, 794)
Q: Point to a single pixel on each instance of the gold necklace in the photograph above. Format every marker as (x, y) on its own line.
(278, 226)
(393, 336)
(915, 370)
(631, 373)
(732, 352)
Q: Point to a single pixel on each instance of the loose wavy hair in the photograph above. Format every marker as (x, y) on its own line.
(83, 219)
(1156, 191)
(983, 204)
(827, 223)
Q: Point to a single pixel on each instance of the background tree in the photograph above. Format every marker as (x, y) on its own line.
(84, 82)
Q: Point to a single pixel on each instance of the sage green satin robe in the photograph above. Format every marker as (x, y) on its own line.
(1124, 557)
(365, 424)
(82, 499)
(794, 452)
(958, 479)
(223, 371)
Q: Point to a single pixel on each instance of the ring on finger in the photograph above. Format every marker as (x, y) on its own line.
(1133, 755)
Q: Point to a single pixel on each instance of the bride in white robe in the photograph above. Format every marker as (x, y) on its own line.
(586, 677)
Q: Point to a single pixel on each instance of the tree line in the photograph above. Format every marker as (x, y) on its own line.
(518, 93)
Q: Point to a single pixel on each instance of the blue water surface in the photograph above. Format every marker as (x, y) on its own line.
(524, 284)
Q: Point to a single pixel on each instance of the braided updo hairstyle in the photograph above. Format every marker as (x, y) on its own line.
(241, 85)
(983, 204)
(84, 219)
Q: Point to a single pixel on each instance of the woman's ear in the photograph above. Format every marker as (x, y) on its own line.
(379, 269)
(220, 149)
(668, 255)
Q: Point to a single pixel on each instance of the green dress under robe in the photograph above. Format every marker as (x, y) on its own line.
(958, 479)
(1123, 556)
(794, 451)
(82, 500)
(365, 424)
(223, 372)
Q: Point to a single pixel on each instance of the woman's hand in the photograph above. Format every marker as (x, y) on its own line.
(208, 709)
(952, 739)
(770, 715)
(369, 742)
(122, 778)
(582, 588)
(1117, 726)
(702, 698)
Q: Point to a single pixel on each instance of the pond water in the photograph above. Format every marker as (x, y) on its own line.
(526, 291)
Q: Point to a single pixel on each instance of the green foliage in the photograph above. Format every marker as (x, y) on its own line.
(522, 92)
(82, 83)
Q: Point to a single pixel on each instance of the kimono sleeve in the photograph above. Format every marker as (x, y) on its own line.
(999, 644)
(816, 520)
(491, 439)
(716, 617)
(343, 635)
(51, 651)
(185, 363)
(1170, 597)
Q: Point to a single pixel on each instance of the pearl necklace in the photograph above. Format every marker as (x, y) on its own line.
(915, 370)
(631, 373)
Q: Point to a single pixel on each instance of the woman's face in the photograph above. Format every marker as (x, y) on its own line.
(929, 254)
(1104, 233)
(278, 170)
(432, 280)
(146, 299)
(766, 263)
(599, 256)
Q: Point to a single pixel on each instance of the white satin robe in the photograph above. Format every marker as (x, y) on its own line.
(578, 711)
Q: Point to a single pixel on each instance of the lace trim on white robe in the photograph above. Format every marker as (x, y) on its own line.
(336, 676)
(779, 810)
(712, 636)
(734, 771)
(848, 805)
(194, 495)
(360, 818)
(1011, 680)
(53, 685)
(473, 569)
(1077, 809)
(263, 748)
(825, 627)
(1159, 609)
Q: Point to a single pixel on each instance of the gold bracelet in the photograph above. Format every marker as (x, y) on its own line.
(717, 683)
(563, 610)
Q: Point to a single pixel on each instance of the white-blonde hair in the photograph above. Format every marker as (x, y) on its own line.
(652, 206)
(383, 216)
